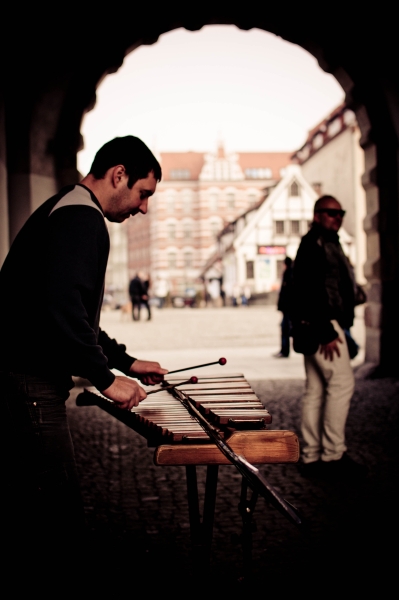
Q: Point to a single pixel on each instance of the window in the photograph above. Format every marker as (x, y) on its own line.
(294, 189)
(295, 227)
(187, 202)
(213, 201)
(187, 230)
(230, 200)
(334, 127)
(252, 198)
(318, 188)
(259, 173)
(215, 228)
(188, 260)
(172, 260)
(279, 227)
(318, 141)
(170, 203)
(179, 173)
(171, 231)
(250, 269)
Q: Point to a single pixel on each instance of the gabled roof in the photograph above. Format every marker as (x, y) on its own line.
(329, 128)
(292, 172)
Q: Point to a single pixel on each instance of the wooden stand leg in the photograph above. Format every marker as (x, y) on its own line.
(201, 532)
(193, 511)
(209, 510)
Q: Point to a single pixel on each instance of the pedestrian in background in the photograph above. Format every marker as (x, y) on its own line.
(161, 291)
(284, 305)
(136, 292)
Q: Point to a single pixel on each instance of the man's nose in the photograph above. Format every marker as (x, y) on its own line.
(144, 206)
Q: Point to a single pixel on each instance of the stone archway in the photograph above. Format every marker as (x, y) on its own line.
(41, 115)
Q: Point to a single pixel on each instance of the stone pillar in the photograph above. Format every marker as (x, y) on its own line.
(4, 221)
(30, 163)
(372, 313)
(381, 182)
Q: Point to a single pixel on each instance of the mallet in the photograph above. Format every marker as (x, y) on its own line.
(221, 361)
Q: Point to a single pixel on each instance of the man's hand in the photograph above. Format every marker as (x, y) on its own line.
(125, 392)
(149, 372)
(329, 349)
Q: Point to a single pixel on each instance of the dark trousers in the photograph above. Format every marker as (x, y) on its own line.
(136, 306)
(137, 303)
(42, 514)
(146, 305)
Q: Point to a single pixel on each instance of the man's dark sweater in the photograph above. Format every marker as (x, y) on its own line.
(51, 292)
(323, 285)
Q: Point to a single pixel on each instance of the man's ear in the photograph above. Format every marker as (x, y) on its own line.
(118, 173)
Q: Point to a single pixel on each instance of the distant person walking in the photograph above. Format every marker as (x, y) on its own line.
(161, 291)
(284, 305)
(136, 292)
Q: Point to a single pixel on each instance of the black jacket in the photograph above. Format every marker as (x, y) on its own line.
(285, 296)
(323, 286)
(136, 288)
(51, 292)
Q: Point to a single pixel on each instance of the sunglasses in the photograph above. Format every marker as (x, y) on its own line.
(332, 212)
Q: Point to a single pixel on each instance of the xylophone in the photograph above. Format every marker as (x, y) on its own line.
(235, 432)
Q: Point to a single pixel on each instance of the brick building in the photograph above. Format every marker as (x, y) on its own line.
(198, 195)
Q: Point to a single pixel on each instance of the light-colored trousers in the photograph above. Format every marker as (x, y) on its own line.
(325, 404)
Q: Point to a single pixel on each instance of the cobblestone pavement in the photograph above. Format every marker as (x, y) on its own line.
(138, 514)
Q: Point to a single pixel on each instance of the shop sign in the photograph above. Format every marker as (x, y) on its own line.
(271, 250)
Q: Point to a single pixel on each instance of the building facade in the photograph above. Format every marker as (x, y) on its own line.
(199, 194)
(251, 250)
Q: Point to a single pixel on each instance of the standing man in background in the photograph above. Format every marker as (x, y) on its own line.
(323, 306)
(137, 292)
(60, 257)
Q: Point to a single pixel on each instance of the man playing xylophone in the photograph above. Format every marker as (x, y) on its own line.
(52, 285)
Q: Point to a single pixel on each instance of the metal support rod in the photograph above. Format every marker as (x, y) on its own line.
(247, 508)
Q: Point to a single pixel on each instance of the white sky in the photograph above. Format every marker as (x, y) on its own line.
(250, 89)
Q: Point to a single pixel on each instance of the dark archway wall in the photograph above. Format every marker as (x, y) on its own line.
(49, 76)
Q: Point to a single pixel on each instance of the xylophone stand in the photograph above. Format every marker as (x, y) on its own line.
(201, 531)
(246, 508)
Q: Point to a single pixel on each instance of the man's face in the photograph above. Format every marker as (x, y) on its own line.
(329, 215)
(128, 202)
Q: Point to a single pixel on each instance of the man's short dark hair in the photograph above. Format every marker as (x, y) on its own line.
(321, 200)
(130, 152)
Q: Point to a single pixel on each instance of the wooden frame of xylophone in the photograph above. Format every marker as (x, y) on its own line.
(243, 448)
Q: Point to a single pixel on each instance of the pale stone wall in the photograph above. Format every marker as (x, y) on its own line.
(338, 167)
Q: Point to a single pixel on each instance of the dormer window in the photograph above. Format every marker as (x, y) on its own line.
(294, 189)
